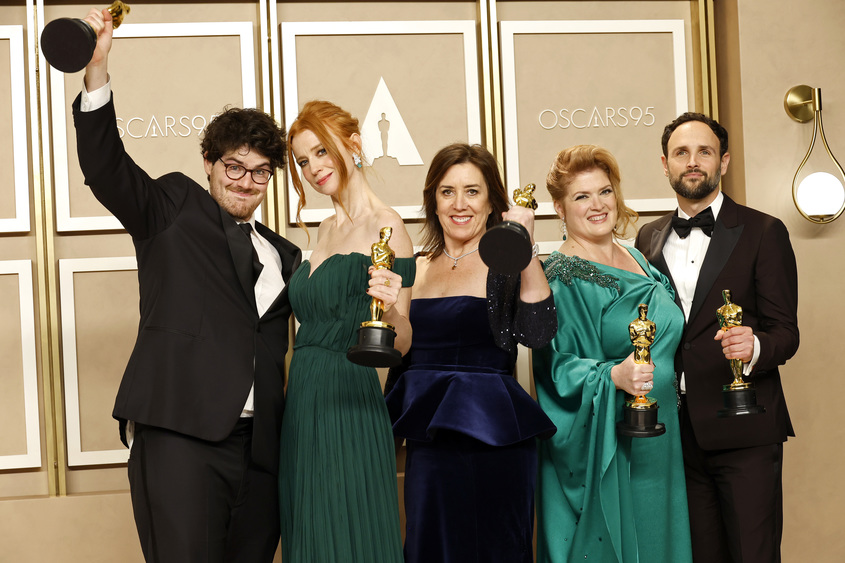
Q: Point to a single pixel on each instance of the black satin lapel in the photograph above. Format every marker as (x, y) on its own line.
(241, 249)
(658, 241)
(721, 246)
(290, 255)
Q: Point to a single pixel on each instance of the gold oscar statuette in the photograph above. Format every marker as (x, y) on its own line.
(740, 397)
(68, 43)
(506, 248)
(376, 337)
(640, 412)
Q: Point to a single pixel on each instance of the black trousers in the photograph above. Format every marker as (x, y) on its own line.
(735, 500)
(198, 501)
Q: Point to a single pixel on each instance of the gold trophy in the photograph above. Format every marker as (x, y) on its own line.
(506, 248)
(740, 397)
(375, 337)
(68, 43)
(640, 412)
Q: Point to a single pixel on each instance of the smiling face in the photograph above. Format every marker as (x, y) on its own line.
(318, 167)
(463, 205)
(239, 198)
(692, 161)
(589, 206)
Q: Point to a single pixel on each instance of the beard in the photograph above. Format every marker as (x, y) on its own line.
(696, 191)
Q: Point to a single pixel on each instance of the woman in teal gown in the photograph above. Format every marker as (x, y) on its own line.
(337, 473)
(602, 496)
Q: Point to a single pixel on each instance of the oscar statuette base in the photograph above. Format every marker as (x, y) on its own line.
(506, 248)
(739, 402)
(639, 420)
(375, 346)
(68, 44)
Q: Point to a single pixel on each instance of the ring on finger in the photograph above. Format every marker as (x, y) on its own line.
(648, 386)
(387, 282)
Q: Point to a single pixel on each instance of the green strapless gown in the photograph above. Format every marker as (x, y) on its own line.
(337, 475)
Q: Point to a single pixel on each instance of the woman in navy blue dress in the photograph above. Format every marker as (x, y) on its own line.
(470, 427)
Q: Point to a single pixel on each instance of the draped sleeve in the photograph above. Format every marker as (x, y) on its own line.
(575, 389)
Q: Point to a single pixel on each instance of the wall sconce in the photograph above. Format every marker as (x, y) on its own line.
(819, 195)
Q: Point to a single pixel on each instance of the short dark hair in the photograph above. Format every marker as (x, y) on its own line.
(238, 127)
(720, 132)
(459, 153)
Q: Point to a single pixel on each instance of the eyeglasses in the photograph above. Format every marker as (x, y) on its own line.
(236, 172)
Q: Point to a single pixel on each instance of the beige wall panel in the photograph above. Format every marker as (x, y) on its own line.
(15, 175)
(396, 80)
(412, 85)
(370, 11)
(166, 90)
(596, 9)
(74, 529)
(106, 305)
(563, 101)
(783, 44)
(7, 173)
(12, 407)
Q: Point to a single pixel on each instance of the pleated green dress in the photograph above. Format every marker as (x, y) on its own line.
(337, 473)
(603, 497)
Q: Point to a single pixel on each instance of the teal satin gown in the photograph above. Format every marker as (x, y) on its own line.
(603, 497)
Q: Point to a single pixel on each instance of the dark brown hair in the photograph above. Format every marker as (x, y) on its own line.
(459, 153)
(238, 127)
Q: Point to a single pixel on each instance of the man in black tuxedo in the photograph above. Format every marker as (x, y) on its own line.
(201, 401)
(733, 465)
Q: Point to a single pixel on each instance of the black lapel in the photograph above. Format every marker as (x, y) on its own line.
(290, 255)
(658, 241)
(726, 233)
(241, 249)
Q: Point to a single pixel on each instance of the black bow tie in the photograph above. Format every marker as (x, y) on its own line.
(703, 221)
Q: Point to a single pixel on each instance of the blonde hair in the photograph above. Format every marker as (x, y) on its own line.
(583, 158)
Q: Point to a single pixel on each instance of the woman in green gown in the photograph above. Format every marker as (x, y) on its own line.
(601, 496)
(337, 473)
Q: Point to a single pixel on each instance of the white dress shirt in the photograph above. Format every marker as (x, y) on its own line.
(684, 257)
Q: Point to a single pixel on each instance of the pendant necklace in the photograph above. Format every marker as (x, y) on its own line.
(455, 264)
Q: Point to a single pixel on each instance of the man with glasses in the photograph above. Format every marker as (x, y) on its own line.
(200, 403)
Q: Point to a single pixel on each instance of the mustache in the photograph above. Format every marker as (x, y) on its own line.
(695, 171)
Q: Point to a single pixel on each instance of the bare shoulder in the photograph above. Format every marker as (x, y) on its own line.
(400, 242)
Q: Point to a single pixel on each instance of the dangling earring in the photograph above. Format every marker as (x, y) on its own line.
(356, 158)
(563, 228)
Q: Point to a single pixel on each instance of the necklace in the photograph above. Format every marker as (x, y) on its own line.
(455, 265)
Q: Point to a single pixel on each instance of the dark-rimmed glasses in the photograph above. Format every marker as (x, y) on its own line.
(236, 172)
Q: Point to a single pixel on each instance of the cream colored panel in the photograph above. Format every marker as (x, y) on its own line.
(20, 445)
(169, 80)
(414, 70)
(99, 309)
(628, 80)
(14, 174)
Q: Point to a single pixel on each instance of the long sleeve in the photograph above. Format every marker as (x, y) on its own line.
(776, 281)
(514, 321)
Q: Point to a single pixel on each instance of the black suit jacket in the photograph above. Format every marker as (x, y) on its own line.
(749, 254)
(200, 341)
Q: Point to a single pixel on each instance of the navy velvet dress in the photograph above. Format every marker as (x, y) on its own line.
(470, 430)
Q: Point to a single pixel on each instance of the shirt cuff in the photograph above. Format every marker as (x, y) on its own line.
(92, 101)
(747, 367)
